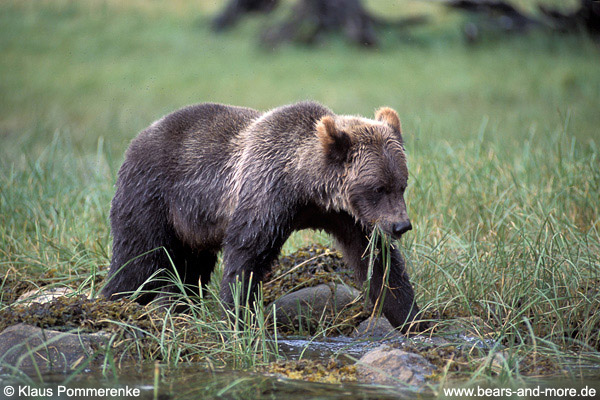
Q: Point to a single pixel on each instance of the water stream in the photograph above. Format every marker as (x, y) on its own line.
(295, 348)
(198, 382)
(191, 383)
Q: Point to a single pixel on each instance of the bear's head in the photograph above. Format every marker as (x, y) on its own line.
(368, 157)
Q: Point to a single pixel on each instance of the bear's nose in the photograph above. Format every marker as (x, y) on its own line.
(400, 227)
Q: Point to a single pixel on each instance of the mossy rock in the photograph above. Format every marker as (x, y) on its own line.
(67, 313)
(132, 327)
(308, 268)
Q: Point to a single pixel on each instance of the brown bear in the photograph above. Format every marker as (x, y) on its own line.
(213, 177)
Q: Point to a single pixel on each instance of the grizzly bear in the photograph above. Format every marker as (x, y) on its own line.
(212, 177)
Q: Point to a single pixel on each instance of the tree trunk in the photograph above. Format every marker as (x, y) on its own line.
(312, 18)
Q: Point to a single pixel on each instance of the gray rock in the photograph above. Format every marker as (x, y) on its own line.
(343, 296)
(388, 366)
(312, 302)
(376, 328)
(23, 345)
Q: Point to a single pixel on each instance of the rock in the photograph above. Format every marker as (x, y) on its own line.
(376, 328)
(23, 345)
(388, 366)
(343, 296)
(305, 301)
(41, 296)
(311, 303)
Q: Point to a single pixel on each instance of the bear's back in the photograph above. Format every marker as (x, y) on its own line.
(212, 119)
(190, 134)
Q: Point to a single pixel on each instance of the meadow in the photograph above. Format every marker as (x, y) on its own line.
(502, 140)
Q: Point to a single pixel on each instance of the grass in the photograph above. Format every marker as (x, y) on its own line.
(502, 142)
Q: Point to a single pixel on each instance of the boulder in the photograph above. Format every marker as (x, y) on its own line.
(24, 346)
(376, 328)
(309, 305)
(389, 366)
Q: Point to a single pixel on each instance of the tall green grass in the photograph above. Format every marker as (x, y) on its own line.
(516, 237)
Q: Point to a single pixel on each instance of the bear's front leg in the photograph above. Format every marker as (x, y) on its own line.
(248, 254)
(389, 286)
(391, 289)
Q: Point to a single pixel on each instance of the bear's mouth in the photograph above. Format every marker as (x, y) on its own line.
(396, 230)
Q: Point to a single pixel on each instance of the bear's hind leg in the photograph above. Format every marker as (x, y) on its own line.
(194, 268)
(131, 270)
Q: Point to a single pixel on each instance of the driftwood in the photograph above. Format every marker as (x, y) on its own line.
(503, 16)
(500, 16)
(586, 18)
(311, 20)
(236, 8)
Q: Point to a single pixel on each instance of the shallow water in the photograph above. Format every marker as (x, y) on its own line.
(191, 383)
(295, 348)
(196, 382)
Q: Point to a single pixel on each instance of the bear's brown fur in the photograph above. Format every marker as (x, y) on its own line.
(211, 177)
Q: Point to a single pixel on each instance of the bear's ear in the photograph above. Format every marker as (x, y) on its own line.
(390, 117)
(336, 143)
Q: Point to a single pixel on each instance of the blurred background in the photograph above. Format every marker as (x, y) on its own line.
(109, 68)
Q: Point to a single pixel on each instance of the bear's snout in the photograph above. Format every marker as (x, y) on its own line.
(399, 228)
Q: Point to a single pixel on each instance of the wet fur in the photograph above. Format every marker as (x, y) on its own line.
(212, 177)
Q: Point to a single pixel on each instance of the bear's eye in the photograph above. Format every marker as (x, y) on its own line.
(380, 189)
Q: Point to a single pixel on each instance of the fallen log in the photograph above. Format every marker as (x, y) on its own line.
(235, 9)
(310, 19)
(585, 18)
